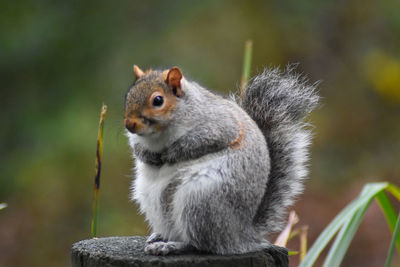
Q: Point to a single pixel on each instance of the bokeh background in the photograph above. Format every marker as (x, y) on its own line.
(59, 60)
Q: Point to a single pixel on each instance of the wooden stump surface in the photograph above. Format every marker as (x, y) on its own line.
(129, 251)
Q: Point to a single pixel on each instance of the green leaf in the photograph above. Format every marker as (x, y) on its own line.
(345, 236)
(328, 233)
(291, 253)
(394, 190)
(395, 237)
(369, 192)
(389, 213)
(387, 209)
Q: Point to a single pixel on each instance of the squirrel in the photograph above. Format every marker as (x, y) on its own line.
(216, 174)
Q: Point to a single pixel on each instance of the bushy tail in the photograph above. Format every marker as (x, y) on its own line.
(278, 102)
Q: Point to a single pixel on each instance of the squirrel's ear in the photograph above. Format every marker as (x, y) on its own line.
(137, 72)
(173, 79)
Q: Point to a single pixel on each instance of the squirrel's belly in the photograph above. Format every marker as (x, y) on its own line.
(148, 190)
(163, 192)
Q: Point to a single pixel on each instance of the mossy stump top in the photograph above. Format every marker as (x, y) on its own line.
(129, 251)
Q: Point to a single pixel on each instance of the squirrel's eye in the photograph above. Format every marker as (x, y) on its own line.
(158, 101)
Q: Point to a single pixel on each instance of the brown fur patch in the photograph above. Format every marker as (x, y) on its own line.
(238, 141)
(137, 72)
(165, 75)
(139, 101)
(165, 110)
(173, 79)
(133, 124)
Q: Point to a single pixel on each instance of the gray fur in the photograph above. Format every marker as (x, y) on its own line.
(196, 143)
(278, 102)
(199, 142)
(222, 198)
(147, 156)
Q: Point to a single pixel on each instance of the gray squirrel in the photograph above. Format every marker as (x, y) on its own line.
(216, 174)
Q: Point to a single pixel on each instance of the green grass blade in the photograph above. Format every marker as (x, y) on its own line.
(3, 206)
(395, 237)
(369, 193)
(99, 156)
(389, 213)
(387, 209)
(344, 238)
(328, 233)
(95, 214)
(248, 51)
(292, 253)
(394, 190)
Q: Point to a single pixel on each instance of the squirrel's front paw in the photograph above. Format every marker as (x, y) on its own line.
(163, 248)
(154, 237)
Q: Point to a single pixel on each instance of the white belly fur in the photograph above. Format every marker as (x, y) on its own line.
(151, 181)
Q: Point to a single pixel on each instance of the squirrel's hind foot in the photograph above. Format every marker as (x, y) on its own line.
(165, 248)
(154, 237)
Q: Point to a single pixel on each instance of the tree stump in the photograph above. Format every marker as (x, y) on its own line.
(129, 251)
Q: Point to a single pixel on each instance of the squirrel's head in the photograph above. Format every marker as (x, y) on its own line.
(151, 100)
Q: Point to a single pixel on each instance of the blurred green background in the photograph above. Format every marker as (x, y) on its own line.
(59, 60)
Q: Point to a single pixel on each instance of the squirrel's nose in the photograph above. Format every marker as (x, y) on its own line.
(130, 125)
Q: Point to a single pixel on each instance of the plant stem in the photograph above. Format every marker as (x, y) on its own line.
(303, 242)
(393, 242)
(248, 49)
(99, 155)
